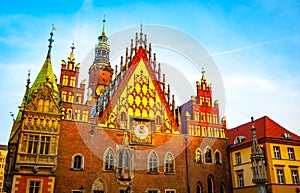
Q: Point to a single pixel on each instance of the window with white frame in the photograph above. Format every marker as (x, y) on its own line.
(109, 160)
(169, 163)
(280, 176)
(170, 191)
(34, 186)
(295, 177)
(153, 162)
(238, 158)
(277, 152)
(241, 180)
(291, 153)
(77, 162)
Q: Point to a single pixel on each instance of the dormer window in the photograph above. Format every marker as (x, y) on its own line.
(286, 136)
(239, 139)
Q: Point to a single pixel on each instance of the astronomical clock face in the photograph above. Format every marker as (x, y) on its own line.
(141, 131)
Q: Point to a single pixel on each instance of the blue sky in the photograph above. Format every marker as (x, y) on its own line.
(255, 45)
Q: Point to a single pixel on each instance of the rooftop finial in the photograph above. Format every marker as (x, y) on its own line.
(203, 71)
(141, 33)
(103, 25)
(51, 40)
(72, 47)
(51, 36)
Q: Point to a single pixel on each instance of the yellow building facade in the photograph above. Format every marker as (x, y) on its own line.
(3, 153)
(282, 157)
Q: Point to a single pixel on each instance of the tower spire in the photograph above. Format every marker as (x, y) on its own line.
(50, 41)
(46, 74)
(103, 26)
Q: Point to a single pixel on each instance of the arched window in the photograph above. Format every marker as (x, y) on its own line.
(77, 162)
(208, 158)
(169, 163)
(198, 156)
(124, 158)
(98, 186)
(153, 162)
(217, 158)
(123, 116)
(109, 160)
(222, 188)
(210, 186)
(199, 187)
(158, 120)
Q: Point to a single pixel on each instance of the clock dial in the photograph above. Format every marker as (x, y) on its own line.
(141, 131)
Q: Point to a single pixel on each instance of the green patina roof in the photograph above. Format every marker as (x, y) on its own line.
(45, 76)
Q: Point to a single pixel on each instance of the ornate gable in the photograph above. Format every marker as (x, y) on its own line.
(139, 99)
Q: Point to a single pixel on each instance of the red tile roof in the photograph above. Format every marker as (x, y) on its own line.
(265, 127)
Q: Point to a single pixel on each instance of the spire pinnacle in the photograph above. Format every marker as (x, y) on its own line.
(72, 51)
(203, 72)
(103, 26)
(51, 40)
(72, 47)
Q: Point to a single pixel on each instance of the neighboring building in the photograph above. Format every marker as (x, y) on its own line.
(32, 147)
(281, 151)
(3, 153)
(126, 136)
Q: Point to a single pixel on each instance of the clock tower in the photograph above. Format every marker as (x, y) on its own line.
(100, 72)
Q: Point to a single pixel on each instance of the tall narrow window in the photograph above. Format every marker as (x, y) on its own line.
(34, 186)
(77, 162)
(277, 152)
(222, 188)
(295, 177)
(238, 158)
(72, 81)
(169, 163)
(241, 180)
(280, 176)
(65, 80)
(217, 158)
(153, 162)
(198, 188)
(291, 153)
(45, 145)
(198, 156)
(208, 158)
(109, 160)
(210, 186)
(124, 158)
(33, 144)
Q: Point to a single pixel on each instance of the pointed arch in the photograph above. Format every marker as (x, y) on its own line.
(169, 163)
(208, 155)
(124, 159)
(198, 155)
(210, 183)
(199, 187)
(109, 159)
(99, 186)
(217, 157)
(222, 188)
(153, 162)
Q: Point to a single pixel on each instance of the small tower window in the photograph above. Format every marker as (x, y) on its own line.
(77, 162)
